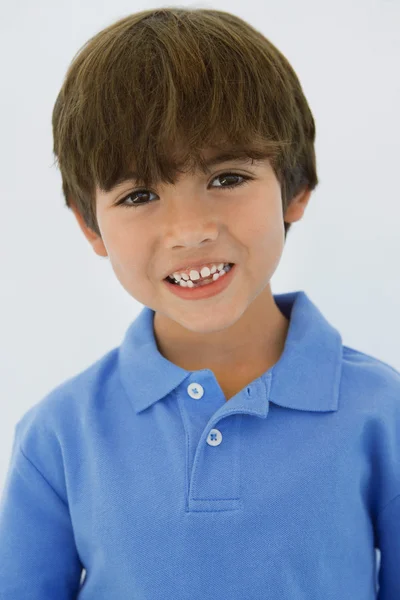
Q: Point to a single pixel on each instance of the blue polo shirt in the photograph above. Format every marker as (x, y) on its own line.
(136, 480)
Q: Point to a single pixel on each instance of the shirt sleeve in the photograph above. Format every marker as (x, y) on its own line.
(38, 556)
(389, 546)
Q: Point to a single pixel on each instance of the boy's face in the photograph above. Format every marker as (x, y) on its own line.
(195, 218)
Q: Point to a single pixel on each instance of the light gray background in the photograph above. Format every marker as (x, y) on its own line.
(62, 307)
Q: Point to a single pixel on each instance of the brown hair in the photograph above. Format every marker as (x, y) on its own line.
(178, 78)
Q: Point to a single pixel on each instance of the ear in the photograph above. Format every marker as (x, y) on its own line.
(298, 205)
(94, 240)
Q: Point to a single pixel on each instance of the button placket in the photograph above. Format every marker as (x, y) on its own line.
(196, 391)
(213, 474)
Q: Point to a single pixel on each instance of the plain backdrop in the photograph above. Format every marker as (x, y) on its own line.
(62, 307)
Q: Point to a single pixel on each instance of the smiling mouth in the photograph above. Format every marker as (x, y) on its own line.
(198, 283)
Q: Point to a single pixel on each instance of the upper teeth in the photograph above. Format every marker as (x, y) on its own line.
(194, 275)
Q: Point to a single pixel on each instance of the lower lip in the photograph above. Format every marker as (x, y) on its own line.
(204, 291)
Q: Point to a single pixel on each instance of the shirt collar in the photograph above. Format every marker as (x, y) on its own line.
(306, 377)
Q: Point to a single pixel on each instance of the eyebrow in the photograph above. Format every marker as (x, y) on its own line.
(211, 162)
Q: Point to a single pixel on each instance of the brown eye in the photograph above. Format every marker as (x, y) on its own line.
(135, 194)
(144, 192)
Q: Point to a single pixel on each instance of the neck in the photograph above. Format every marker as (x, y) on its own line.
(251, 345)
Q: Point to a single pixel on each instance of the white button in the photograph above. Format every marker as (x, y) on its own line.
(214, 438)
(195, 390)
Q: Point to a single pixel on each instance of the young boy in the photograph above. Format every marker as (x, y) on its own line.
(231, 446)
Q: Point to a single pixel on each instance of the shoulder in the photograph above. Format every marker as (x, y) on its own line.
(370, 379)
(70, 403)
(369, 362)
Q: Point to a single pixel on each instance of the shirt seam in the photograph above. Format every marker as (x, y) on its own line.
(385, 507)
(43, 477)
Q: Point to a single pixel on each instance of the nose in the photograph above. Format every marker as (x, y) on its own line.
(190, 223)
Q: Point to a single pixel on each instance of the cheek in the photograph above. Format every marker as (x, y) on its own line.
(264, 233)
(123, 240)
(127, 254)
(263, 226)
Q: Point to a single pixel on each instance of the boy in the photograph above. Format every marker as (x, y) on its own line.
(231, 446)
